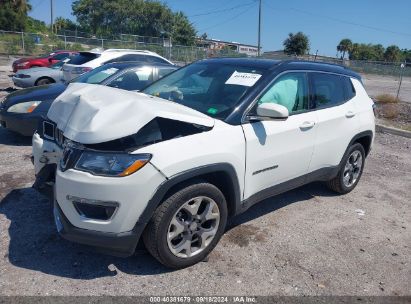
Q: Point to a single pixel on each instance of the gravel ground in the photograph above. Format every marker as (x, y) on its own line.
(304, 242)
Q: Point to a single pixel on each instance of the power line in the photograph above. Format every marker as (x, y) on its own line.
(339, 20)
(228, 20)
(221, 10)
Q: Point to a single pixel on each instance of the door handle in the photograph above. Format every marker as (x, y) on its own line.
(307, 125)
(349, 114)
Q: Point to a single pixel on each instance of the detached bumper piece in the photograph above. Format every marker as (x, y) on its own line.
(117, 244)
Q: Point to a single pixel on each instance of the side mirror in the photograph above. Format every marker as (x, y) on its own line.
(50, 59)
(272, 110)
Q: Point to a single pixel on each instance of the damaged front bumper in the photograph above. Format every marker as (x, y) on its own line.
(118, 244)
(45, 156)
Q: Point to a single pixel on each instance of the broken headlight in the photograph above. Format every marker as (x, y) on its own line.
(111, 164)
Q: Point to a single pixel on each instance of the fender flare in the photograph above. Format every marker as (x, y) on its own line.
(186, 176)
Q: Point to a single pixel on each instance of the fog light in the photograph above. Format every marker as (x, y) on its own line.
(94, 209)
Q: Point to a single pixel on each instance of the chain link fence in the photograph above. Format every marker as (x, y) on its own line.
(360, 66)
(33, 44)
(22, 44)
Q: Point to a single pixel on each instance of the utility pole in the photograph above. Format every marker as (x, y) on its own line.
(51, 16)
(259, 29)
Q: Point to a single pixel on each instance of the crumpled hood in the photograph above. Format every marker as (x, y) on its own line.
(90, 114)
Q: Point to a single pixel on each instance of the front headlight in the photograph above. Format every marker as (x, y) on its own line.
(24, 107)
(22, 76)
(111, 164)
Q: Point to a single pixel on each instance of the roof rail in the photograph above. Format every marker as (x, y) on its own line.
(129, 50)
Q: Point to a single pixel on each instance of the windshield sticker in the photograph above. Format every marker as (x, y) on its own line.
(212, 111)
(243, 79)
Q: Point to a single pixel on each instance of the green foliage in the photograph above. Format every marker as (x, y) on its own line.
(46, 48)
(36, 26)
(29, 45)
(183, 32)
(362, 51)
(12, 44)
(138, 17)
(13, 14)
(61, 24)
(76, 47)
(344, 46)
(392, 53)
(296, 44)
(373, 52)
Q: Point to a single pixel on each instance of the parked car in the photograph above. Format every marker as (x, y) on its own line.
(86, 61)
(40, 76)
(206, 142)
(44, 61)
(22, 110)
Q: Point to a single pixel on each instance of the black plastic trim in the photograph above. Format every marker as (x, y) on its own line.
(323, 174)
(118, 244)
(190, 175)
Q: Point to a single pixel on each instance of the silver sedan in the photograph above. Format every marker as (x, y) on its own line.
(39, 76)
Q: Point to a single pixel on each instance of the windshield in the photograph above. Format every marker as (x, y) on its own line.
(212, 88)
(97, 75)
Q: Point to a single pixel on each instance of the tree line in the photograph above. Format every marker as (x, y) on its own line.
(106, 17)
(299, 44)
(374, 52)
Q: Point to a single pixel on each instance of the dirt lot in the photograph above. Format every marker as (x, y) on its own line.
(304, 242)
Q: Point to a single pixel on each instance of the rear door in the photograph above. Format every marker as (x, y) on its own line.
(333, 99)
(280, 150)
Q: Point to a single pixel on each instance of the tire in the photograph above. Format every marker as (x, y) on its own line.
(157, 235)
(338, 183)
(44, 81)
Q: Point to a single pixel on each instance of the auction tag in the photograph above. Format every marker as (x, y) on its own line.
(243, 79)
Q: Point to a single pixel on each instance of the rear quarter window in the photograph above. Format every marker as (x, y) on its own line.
(82, 58)
(349, 88)
(328, 89)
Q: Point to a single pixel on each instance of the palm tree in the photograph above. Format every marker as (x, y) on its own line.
(344, 46)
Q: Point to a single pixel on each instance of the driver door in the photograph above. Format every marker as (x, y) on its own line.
(280, 150)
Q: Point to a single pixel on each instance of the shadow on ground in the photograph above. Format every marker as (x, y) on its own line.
(36, 245)
(13, 139)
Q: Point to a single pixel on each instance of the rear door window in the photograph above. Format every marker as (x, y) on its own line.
(327, 90)
(155, 59)
(129, 57)
(349, 88)
(83, 57)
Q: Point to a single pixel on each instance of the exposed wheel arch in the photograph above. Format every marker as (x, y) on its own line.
(222, 175)
(41, 79)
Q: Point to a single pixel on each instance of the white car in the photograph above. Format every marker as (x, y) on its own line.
(39, 76)
(86, 61)
(172, 162)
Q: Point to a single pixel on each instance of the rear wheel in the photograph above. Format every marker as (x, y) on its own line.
(187, 226)
(351, 170)
(44, 81)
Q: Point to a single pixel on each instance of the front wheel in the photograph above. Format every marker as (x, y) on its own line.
(351, 170)
(187, 226)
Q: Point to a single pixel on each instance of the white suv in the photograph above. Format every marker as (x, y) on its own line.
(204, 143)
(86, 61)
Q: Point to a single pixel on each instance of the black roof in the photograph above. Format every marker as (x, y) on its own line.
(246, 62)
(286, 64)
